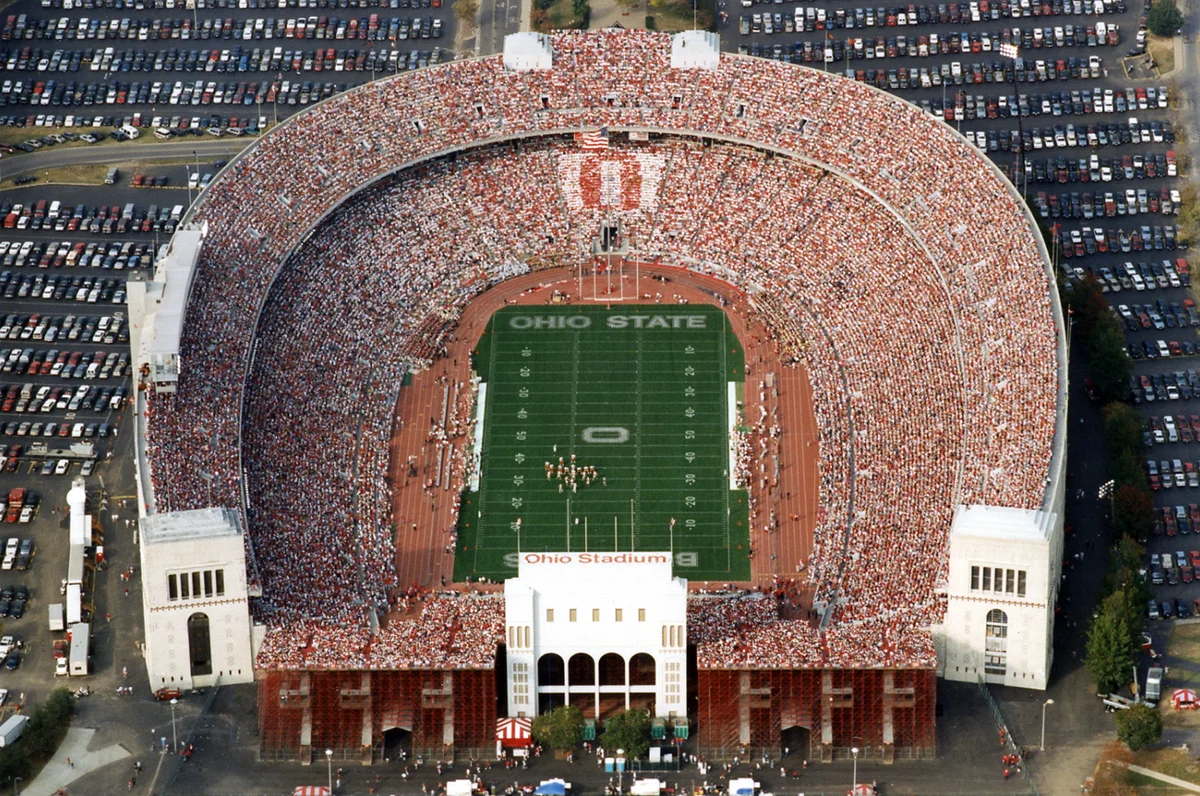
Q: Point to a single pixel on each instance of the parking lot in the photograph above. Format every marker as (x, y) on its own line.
(232, 68)
(1086, 127)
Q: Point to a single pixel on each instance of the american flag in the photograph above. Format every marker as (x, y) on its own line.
(593, 139)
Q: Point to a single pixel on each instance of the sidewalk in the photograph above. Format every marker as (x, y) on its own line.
(58, 774)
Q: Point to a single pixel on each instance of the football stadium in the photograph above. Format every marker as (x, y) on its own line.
(611, 370)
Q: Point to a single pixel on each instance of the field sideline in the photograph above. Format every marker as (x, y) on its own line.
(640, 393)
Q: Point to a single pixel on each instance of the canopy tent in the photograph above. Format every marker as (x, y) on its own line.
(514, 732)
(551, 787)
(311, 790)
(862, 789)
(1184, 699)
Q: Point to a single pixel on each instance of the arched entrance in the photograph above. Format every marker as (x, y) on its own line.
(395, 740)
(642, 670)
(581, 669)
(995, 656)
(551, 670)
(612, 669)
(794, 741)
(199, 645)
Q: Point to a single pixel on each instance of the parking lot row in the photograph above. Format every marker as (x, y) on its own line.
(1096, 169)
(1093, 240)
(901, 16)
(110, 329)
(114, 219)
(1107, 204)
(946, 42)
(208, 5)
(116, 255)
(63, 287)
(323, 28)
(47, 398)
(233, 59)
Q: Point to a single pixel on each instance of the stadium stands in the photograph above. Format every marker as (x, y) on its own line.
(923, 311)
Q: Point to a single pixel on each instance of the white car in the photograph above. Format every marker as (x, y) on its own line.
(62, 467)
(60, 667)
(6, 645)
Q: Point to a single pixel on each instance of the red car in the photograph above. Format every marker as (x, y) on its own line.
(166, 694)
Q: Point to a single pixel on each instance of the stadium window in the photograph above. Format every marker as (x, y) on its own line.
(987, 578)
(549, 614)
(641, 614)
(419, 126)
(974, 578)
(526, 639)
(208, 583)
(220, 583)
(183, 586)
(619, 614)
(196, 584)
(479, 110)
(571, 615)
(545, 102)
(664, 635)
(595, 614)
(1020, 583)
(1010, 581)
(741, 110)
(172, 587)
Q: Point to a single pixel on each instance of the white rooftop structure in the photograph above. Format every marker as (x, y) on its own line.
(163, 304)
(695, 49)
(526, 51)
(999, 522)
(191, 525)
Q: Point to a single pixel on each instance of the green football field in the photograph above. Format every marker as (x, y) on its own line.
(640, 393)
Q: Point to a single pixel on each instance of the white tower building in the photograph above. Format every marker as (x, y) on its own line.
(195, 599)
(602, 631)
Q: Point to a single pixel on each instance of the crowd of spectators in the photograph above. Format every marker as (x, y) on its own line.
(881, 247)
(445, 629)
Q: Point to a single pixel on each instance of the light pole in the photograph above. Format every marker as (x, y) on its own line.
(1013, 52)
(1044, 704)
(854, 750)
(329, 767)
(174, 737)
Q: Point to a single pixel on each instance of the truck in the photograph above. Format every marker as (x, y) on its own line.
(10, 730)
(80, 649)
(1154, 685)
(57, 618)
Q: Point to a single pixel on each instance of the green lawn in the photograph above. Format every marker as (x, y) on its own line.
(647, 407)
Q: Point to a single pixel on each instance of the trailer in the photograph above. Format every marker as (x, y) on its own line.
(57, 617)
(10, 730)
(80, 649)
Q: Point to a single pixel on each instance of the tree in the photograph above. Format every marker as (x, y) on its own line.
(1127, 467)
(1165, 18)
(465, 11)
(1133, 509)
(629, 730)
(1110, 363)
(1122, 428)
(561, 729)
(1139, 726)
(1110, 644)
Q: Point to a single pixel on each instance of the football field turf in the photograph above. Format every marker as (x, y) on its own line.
(641, 393)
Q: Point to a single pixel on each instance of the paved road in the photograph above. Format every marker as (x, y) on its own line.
(116, 153)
